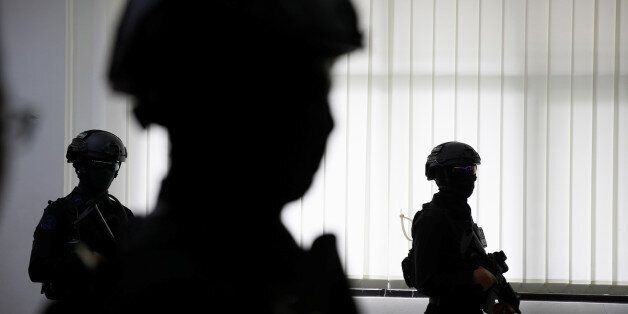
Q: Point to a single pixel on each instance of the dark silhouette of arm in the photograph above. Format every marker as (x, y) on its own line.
(49, 258)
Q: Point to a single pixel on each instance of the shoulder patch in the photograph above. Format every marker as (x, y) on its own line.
(48, 222)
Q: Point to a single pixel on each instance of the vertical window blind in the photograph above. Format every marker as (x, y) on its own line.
(90, 29)
(538, 87)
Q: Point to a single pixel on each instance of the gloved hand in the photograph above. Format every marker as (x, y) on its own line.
(484, 278)
(91, 259)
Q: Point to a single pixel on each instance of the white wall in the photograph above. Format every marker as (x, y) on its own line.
(33, 48)
(55, 56)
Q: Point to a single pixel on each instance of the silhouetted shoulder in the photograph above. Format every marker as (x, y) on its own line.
(55, 205)
(430, 213)
(52, 215)
(431, 218)
(128, 212)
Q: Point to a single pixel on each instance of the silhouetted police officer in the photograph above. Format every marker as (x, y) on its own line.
(445, 270)
(241, 87)
(75, 245)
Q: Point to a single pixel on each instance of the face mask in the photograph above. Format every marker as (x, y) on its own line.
(462, 187)
(460, 183)
(98, 175)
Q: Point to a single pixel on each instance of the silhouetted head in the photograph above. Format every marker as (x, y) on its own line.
(96, 156)
(453, 165)
(246, 80)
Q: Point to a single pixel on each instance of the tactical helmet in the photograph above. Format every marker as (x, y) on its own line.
(450, 154)
(158, 42)
(96, 145)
